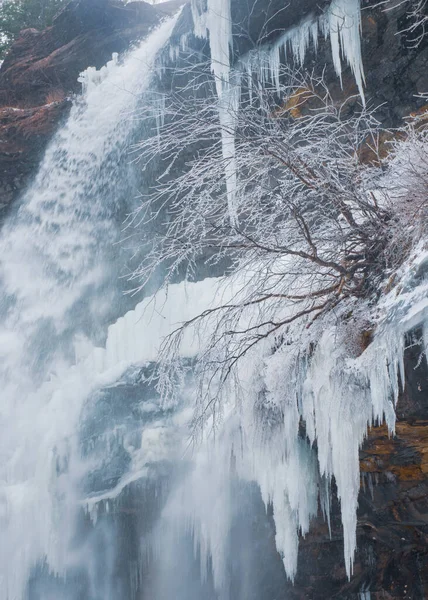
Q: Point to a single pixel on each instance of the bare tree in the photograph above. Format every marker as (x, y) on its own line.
(315, 217)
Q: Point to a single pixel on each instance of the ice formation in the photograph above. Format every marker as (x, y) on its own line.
(338, 397)
(216, 22)
(341, 22)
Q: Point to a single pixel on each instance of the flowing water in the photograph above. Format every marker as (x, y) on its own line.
(59, 289)
(96, 493)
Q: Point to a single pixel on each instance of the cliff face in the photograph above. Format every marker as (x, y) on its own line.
(24, 133)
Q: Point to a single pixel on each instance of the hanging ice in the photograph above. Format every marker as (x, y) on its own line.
(341, 22)
(216, 22)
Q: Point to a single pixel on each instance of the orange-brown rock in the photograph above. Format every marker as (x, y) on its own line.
(382, 451)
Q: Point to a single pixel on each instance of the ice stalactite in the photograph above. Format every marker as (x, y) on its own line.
(216, 23)
(341, 22)
(228, 106)
(266, 62)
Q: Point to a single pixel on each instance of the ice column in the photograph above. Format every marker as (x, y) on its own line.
(217, 22)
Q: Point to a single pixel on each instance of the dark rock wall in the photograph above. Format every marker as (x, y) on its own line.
(396, 72)
(24, 134)
(44, 63)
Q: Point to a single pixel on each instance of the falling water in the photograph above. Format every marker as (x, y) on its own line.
(59, 290)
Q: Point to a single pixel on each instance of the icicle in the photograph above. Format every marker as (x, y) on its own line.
(92, 77)
(217, 21)
(341, 22)
(344, 26)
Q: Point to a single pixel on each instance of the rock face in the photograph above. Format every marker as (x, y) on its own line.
(41, 71)
(24, 134)
(42, 64)
(396, 71)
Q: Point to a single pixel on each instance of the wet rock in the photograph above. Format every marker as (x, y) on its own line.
(84, 34)
(24, 133)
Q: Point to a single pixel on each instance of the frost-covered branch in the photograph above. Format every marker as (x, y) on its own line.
(313, 224)
(417, 19)
(326, 213)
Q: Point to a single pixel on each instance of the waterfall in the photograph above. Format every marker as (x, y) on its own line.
(59, 289)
